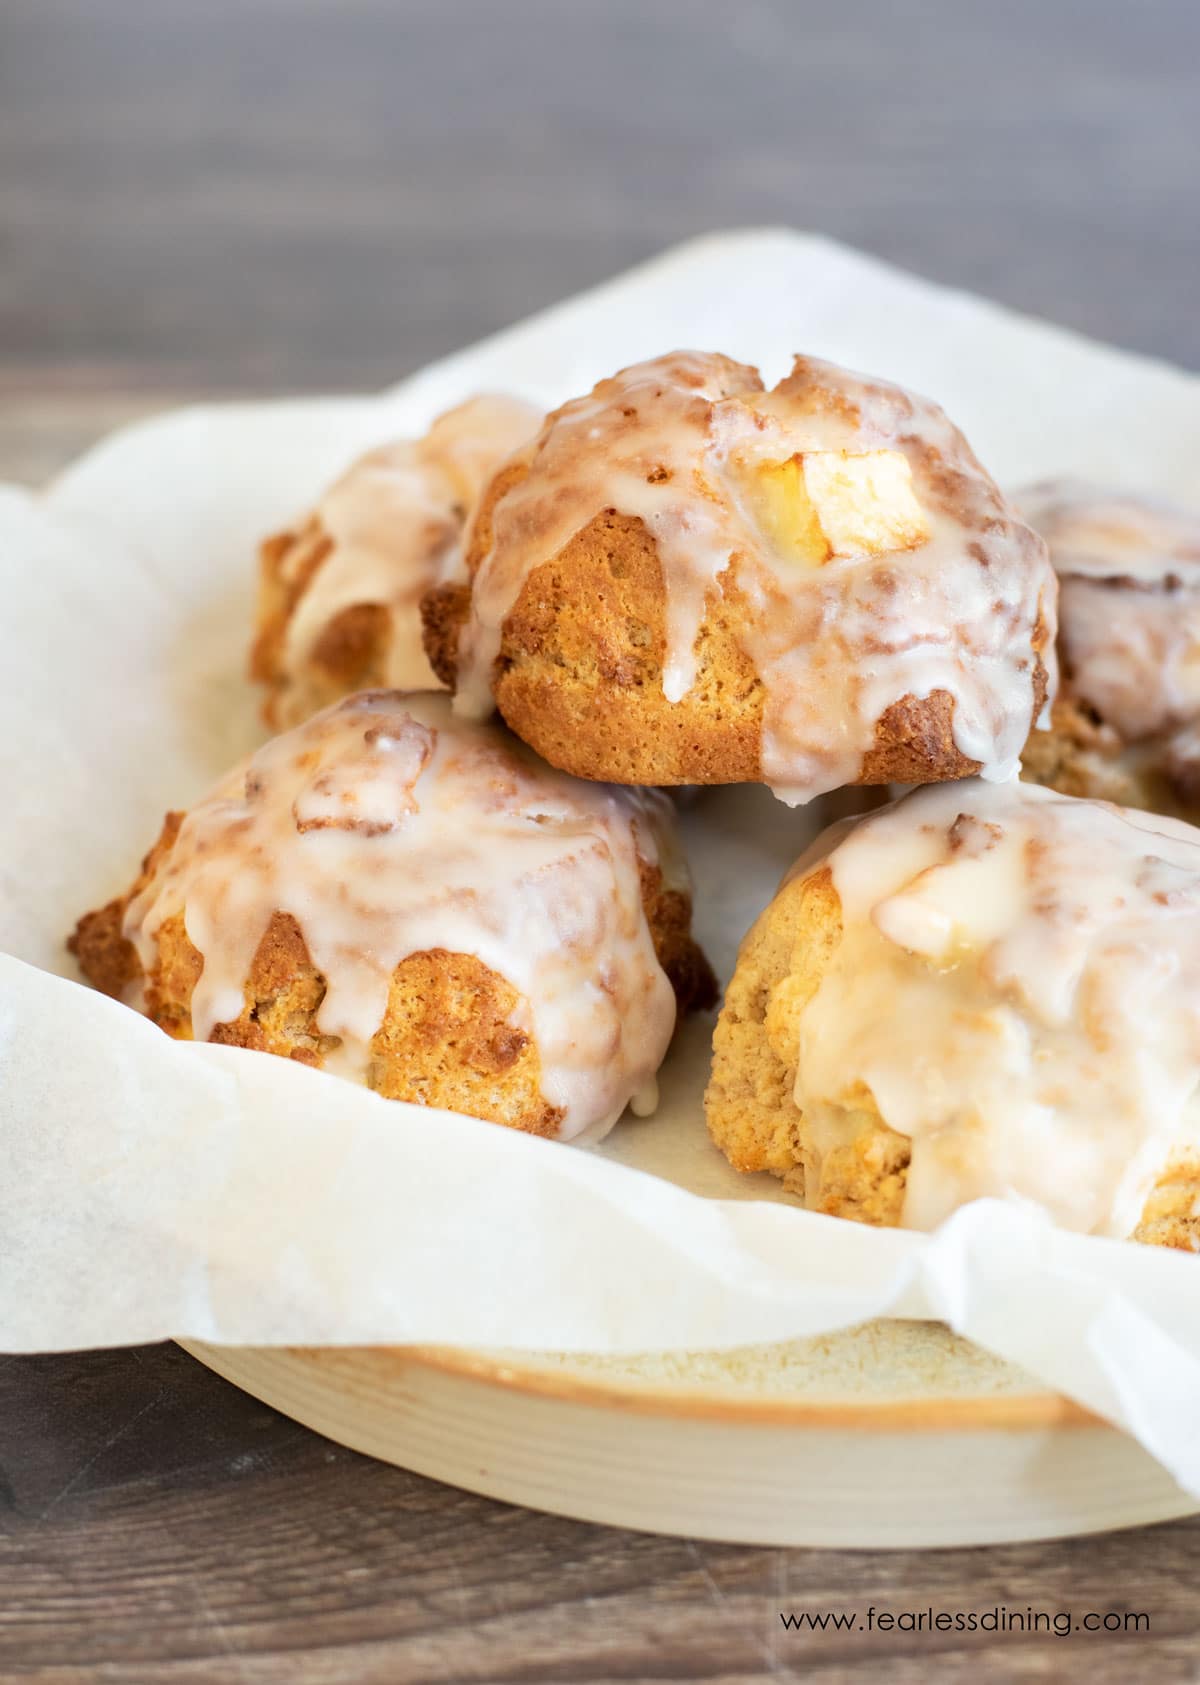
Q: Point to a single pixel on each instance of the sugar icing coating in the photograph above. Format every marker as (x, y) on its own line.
(395, 521)
(1018, 988)
(388, 828)
(1129, 603)
(676, 443)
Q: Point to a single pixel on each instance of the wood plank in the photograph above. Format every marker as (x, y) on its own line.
(158, 1524)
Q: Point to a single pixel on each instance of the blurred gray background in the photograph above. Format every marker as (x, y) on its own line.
(289, 194)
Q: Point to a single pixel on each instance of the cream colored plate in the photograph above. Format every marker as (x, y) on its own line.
(893, 1434)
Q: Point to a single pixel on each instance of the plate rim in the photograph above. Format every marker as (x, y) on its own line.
(791, 1484)
(1031, 1411)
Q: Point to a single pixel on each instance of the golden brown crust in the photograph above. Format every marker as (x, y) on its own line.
(1077, 754)
(339, 591)
(579, 676)
(1080, 755)
(861, 1169)
(351, 652)
(107, 960)
(1171, 1215)
(444, 613)
(447, 1037)
(276, 599)
(669, 915)
(287, 562)
(447, 1040)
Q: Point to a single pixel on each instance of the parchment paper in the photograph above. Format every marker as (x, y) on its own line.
(149, 1188)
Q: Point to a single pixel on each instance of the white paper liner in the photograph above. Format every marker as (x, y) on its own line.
(151, 1188)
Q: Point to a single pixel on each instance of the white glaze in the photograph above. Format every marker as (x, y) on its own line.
(395, 521)
(1018, 987)
(1129, 604)
(675, 443)
(388, 828)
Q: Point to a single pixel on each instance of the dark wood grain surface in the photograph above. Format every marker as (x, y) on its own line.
(159, 1525)
(292, 194)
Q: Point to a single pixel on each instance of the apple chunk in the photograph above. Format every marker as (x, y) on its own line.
(822, 504)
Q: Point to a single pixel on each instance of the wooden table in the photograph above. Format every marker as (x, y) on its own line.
(244, 196)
